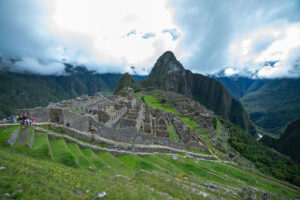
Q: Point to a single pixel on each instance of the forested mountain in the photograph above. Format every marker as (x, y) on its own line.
(271, 103)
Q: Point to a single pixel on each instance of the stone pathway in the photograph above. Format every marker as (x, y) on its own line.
(11, 141)
(30, 143)
(24, 136)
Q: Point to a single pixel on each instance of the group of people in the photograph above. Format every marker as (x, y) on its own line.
(22, 119)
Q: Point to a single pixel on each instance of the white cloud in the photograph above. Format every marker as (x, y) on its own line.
(268, 44)
(107, 22)
(230, 72)
(29, 64)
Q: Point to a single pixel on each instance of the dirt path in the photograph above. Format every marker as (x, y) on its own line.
(24, 136)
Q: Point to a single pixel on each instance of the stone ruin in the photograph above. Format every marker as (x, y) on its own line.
(124, 119)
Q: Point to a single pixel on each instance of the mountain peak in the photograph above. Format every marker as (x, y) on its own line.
(168, 55)
(167, 64)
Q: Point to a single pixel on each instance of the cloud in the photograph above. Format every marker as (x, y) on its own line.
(173, 32)
(206, 36)
(85, 32)
(148, 35)
(133, 32)
(219, 34)
(230, 72)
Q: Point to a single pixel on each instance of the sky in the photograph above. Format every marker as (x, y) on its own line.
(255, 38)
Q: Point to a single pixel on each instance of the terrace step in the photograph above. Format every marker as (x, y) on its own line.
(24, 136)
(116, 164)
(96, 161)
(62, 154)
(6, 132)
(80, 157)
(40, 147)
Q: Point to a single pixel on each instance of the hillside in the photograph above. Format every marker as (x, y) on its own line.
(271, 103)
(23, 90)
(126, 81)
(36, 156)
(288, 142)
(169, 74)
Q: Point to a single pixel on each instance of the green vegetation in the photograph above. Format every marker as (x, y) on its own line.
(5, 134)
(76, 174)
(62, 154)
(271, 103)
(40, 148)
(173, 134)
(155, 103)
(266, 160)
(192, 124)
(82, 160)
(116, 164)
(77, 110)
(96, 161)
(126, 81)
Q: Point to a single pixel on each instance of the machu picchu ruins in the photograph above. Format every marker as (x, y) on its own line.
(129, 120)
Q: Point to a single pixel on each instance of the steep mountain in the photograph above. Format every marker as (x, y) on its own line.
(288, 143)
(126, 81)
(21, 90)
(271, 103)
(169, 74)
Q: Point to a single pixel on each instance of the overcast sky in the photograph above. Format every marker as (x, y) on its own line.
(245, 37)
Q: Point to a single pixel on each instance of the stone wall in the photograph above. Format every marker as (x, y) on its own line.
(140, 118)
(113, 119)
(76, 121)
(102, 116)
(196, 146)
(168, 142)
(56, 115)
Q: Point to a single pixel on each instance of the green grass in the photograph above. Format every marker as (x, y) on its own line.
(40, 147)
(190, 122)
(137, 163)
(96, 161)
(172, 188)
(5, 134)
(62, 154)
(77, 110)
(41, 179)
(150, 177)
(76, 151)
(173, 134)
(116, 164)
(153, 101)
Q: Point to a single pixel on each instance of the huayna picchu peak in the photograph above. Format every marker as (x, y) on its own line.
(169, 74)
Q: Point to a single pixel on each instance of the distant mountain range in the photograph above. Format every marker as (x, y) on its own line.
(24, 90)
(271, 103)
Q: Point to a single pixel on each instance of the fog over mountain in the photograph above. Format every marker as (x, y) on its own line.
(260, 37)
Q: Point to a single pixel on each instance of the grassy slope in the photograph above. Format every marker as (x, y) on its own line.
(150, 177)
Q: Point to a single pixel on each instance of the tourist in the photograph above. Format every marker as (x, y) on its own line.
(29, 121)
